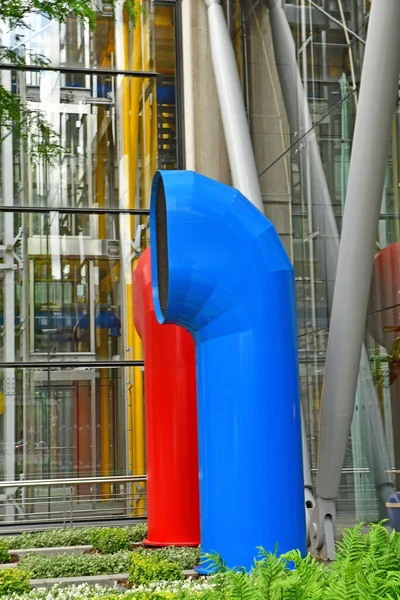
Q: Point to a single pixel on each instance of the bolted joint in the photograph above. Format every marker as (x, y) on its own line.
(322, 528)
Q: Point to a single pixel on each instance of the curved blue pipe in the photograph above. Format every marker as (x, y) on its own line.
(220, 271)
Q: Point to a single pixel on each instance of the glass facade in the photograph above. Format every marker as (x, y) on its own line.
(67, 254)
(71, 231)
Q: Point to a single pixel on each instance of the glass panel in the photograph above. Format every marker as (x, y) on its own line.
(66, 277)
(69, 424)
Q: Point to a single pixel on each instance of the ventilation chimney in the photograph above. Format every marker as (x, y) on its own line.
(221, 272)
(171, 421)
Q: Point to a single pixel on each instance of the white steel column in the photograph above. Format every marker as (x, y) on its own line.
(297, 110)
(8, 298)
(233, 112)
(205, 149)
(377, 101)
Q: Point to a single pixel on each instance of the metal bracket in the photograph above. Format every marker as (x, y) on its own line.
(9, 386)
(322, 528)
(10, 250)
(309, 502)
(136, 244)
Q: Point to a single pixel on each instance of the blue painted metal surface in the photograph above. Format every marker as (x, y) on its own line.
(231, 285)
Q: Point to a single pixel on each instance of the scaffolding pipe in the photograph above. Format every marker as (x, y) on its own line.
(377, 102)
(234, 121)
(300, 124)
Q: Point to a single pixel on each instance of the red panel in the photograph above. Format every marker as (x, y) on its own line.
(383, 319)
(171, 421)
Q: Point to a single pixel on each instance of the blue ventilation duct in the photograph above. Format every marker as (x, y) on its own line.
(220, 271)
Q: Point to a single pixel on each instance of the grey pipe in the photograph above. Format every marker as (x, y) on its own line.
(300, 123)
(236, 129)
(377, 102)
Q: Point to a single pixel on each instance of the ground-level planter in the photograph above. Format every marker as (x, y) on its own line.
(104, 580)
(120, 579)
(52, 551)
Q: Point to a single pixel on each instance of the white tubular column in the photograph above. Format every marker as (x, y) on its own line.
(377, 101)
(236, 129)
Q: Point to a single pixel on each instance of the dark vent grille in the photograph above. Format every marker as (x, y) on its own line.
(162, 248)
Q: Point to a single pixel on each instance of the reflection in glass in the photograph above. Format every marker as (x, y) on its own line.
(66, 292)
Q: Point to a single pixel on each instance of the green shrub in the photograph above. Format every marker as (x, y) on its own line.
(110, 541)
(14, 581)
(75, 565)
(136, 533)
(185, 557)
(4, 556)
(144, 569)
(70, 537)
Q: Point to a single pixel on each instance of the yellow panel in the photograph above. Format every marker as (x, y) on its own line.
(164, 16)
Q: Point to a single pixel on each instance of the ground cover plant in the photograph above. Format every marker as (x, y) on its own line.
(4, 556)
(367, 567)
(152, 564)
(75, 565)
(186, 557)
(145, 569)
(89, 592)
(14, 581)
(85, 536)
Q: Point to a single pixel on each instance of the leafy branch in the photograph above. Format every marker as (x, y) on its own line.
(30, 129)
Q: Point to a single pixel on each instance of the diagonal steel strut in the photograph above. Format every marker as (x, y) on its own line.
(300, 124)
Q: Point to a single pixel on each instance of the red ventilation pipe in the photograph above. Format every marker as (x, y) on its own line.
(171, 421)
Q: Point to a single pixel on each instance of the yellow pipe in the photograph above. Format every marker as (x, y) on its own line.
(139, 450)
(130, 118)
(138, 412)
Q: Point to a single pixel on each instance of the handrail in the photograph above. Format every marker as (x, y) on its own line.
(73, 481)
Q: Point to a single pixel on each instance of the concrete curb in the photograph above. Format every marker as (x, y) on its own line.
(104, 580)
(53, 551)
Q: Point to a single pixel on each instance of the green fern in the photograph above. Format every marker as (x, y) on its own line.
(213, 563)
(267, 570)
(367, 567)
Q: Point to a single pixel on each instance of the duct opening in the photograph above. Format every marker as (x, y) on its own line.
(162, 248)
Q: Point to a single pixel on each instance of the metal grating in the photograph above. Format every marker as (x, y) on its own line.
(162, 248)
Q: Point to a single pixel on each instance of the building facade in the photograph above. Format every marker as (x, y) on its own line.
(125, 99)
